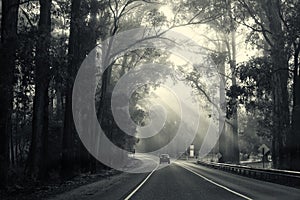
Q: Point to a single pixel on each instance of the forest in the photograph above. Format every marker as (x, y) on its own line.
(254, 44)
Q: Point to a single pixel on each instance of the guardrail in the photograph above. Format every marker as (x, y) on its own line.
(284, 177)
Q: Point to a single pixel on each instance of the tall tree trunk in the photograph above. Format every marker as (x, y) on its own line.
(92, 44)
(74, 50)
(235, 145)
(59, 104)
(229, 138)
(280, 96)
(12, 153)
(295, 136)
(9, 23)
(222, 127)
(38, 148)
(17, 140)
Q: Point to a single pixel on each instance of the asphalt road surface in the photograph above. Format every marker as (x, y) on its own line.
(183, 180)
(179, 180)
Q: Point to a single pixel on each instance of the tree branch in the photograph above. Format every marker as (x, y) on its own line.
(264, 31)
(27, 17)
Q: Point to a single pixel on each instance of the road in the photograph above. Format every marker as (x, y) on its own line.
(175, 182)
(181, 180)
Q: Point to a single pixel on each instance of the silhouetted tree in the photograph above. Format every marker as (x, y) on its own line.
(9, 22)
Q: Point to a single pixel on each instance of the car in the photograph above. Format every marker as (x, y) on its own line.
(164, 158)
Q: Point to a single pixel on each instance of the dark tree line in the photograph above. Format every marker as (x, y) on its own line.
(43, 44)
(267, 85)
(278, 23)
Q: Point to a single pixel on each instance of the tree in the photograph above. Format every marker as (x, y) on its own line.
(38, 148)
(268, 21)
(256, 92)
(8, 47)
(67, 164)
(233, 102)
(291, 21)
(218, 16)
(280, 73)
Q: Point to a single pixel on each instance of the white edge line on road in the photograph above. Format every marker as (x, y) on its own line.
(217, 184)
(140, 185)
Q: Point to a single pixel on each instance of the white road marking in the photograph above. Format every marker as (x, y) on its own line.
(140, 185)
(217, 184)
